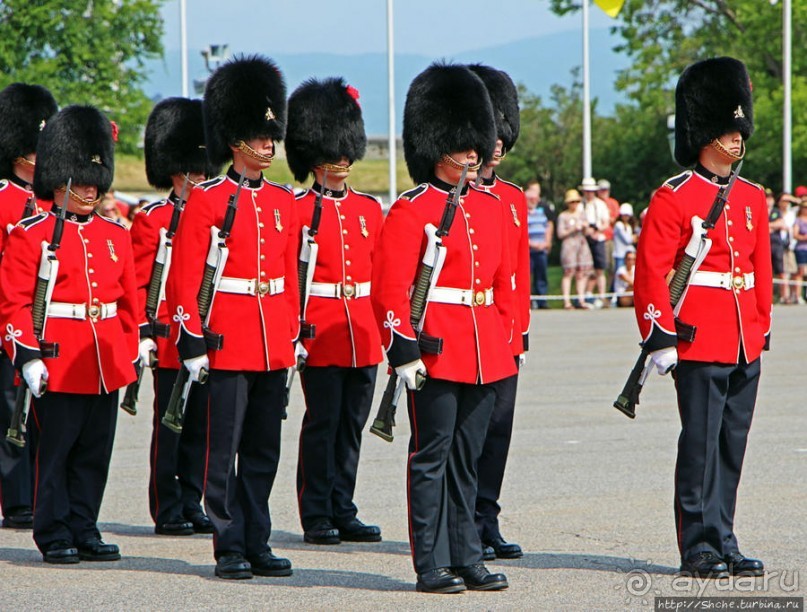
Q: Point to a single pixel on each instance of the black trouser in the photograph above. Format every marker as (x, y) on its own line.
(338, 402)
(177, 461)
(16, 473)
(716, 404)
(539, 263)
(449, 421)
(246, 409)
(494, 459)
(76, 433)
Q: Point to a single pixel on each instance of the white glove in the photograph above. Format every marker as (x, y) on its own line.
(147, 351)
(34, 373)
(665, 359)
(522, 360)
(408, 373)
(300, 352)
(195, 365)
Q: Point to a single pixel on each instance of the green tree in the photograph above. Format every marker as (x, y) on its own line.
(85, 52)
(662, 37)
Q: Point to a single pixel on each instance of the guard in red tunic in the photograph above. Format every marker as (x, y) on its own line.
(174, 147)
(325, 136)
(91, 317)
(255, 310)
(728, 303)
(448, 122)
(24, 109)
(504, 97)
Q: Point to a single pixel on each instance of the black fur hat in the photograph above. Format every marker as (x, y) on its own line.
(24, 110)
(76, 143)
(244, 99)
(175, 142)
(447, 110)
(713, 97)
(325, 123)
(504, 98)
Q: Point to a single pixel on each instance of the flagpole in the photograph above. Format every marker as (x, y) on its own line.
(586, 97)
(393, 149)
(787, 157)
(183, 45)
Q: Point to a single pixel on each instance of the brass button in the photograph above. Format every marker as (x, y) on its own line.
(476, 248)
(731, 238)
(89, 255)
(349, 290)
(479, 298)
(347, 262)
(260, 224)
(727, 207)
(349, 278)
(471, 231)
(342, 217)
(258, 209)
(263, 257)
(344, 231)
(91, 271)
(478, 281)
(263, 273)
(737, 269)
(95, 300)
(467, 215)
(739, 282)
(347, 247)
(93, 311)
(736, 253)
(263, 288)
(730, 222)
(86, 241)
(476, 263)
(93, 284)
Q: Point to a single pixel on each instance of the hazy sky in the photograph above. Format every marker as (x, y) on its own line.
(425, 27)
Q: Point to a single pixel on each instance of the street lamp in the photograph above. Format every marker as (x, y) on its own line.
(214, 56)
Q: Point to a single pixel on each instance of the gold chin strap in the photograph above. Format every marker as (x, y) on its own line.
(335, 168)
(453, 163)
(24, 161)
(250, 152)
(501, 157)
(716, 144)
(79, 200)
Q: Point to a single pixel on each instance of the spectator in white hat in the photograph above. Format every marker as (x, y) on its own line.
(599, 221)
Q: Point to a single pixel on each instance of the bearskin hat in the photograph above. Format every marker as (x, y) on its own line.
(504, 98)
(447, 110)
(244, 99)
(175, 142)
(24, 110)
(713, 97)
(324, 124)
(76, 143)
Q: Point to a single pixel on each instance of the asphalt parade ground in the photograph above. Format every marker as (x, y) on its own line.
(588, 496)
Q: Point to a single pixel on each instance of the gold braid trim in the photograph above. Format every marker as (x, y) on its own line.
(78, 199)
(450, 161)
(250, 152)
(24, 161)
(716, 144)
(328, 167)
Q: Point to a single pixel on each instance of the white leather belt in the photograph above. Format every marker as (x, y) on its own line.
(252, 286)
(723, 280)
(64, 310)
(338, 290)
(463, 297)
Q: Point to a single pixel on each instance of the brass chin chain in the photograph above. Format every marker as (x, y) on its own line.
(501, 156)
(250, 152)
(716, 144)
(25, 162)
(335, 168)
(79, 200)
(453, 163)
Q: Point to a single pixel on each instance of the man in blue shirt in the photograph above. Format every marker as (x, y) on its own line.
(541, 228)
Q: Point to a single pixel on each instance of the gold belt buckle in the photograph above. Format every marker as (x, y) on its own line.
(738, 282)
(263, 288)
(348, 290)
(479, 298)
(93, 312)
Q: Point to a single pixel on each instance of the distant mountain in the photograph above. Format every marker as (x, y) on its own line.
(538, 63)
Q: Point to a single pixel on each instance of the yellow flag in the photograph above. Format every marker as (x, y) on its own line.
(611, 7)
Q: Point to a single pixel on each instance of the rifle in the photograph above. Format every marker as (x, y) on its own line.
(307, 263)
(696, 250)
(217, 255)
(154, 295)
(431, 264)
(45, 281)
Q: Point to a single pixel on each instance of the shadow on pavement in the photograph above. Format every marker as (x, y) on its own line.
(619, 565)
(288, 540)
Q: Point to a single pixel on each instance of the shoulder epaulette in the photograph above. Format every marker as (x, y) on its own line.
(302, 194)
(679, 179)
(114, 222)
(414, 193)
(28, 223)
(509, 183)
(752, 183)
(285, 188)
(3, 184)
(485, 191)
(366, 195)
(211, 183)
(149, 208)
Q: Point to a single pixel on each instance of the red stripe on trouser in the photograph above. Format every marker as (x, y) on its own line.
(155, 450)
(414, 425)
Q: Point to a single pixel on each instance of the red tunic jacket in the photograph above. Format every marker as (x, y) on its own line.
(13, 196)
(515, 219)
(95, 267)
(475, 339)
(346, 331)
(726, 319)
(145, 233)
(258, 329)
